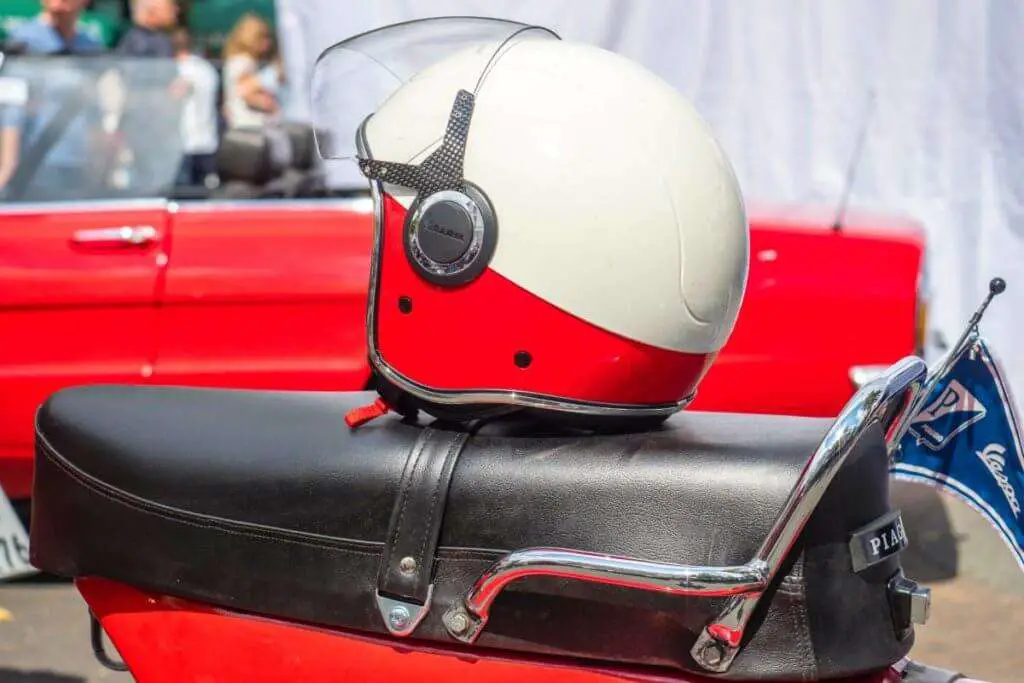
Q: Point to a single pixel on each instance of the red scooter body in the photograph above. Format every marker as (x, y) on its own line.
(248, 583)
(168, 640)
(233, 595)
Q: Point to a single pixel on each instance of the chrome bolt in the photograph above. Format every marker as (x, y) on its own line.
(921, 606)
(398, 618)
(913, 600)
(458, 623)
(407, 565)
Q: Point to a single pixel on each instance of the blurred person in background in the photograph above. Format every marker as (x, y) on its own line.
(53, 32)
(148, 36)
(197, 86)
(48, 140)
(274, 80)
(10, 147)
(247, 102)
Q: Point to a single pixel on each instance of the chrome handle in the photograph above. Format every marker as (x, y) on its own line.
(886, 400)
(122, 236)
(466, 622)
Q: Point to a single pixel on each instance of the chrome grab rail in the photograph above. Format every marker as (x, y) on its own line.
(887, 400)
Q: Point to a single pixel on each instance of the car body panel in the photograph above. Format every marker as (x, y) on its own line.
(70, 313)
(819, 302)
(266, 295)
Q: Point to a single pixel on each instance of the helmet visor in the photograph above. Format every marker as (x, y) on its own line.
(353, 78)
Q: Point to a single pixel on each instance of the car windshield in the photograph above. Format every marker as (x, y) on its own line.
(79, 128)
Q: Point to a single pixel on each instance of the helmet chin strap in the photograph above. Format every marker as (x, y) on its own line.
(442, 170)
(445, 200)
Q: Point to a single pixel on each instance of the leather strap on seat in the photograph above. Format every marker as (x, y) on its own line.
(408, 560)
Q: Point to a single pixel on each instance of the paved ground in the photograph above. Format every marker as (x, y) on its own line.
(976, 627)
(977, 620)
(45, 638)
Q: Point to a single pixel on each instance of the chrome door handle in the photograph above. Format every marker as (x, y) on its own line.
(116, 237)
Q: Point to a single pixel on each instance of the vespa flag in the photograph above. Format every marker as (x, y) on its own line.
(965, 438)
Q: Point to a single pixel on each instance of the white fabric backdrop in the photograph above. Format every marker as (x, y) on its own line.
(788, 84)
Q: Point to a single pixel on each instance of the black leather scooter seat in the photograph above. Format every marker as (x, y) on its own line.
(267, 502)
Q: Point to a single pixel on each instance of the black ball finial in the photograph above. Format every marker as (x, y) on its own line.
(997, 285)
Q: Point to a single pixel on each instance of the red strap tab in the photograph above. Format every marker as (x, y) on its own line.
(359, 416)
(725, 634)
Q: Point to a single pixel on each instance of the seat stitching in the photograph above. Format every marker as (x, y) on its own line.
(455, 558)
(802, 621)
(197, 520)
(791, 584)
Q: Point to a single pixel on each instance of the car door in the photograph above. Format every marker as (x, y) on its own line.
(83, 231)
(77, 287)
(267, 294)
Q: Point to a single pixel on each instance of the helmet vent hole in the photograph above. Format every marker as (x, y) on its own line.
(405, 304)
(522, 359)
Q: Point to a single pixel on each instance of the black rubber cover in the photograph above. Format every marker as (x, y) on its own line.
(446, 230)
(266, 502)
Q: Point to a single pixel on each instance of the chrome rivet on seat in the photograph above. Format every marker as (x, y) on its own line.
(398, 618)
(407, 565)
(712, 654)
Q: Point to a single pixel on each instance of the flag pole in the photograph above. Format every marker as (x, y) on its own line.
(996, 286)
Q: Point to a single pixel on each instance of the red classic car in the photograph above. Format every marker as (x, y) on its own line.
(109, 273)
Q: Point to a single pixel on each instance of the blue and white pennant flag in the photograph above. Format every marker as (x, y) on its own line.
(965, 439)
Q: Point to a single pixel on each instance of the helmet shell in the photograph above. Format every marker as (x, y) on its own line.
(622, 247)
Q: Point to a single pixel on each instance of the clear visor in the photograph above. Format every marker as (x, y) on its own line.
(353, 78)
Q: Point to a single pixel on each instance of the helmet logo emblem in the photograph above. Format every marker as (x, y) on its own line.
(447, 232)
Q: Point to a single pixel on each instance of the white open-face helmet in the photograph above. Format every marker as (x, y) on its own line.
(556, 227)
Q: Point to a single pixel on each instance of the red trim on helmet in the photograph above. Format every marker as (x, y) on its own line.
(466, 338)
